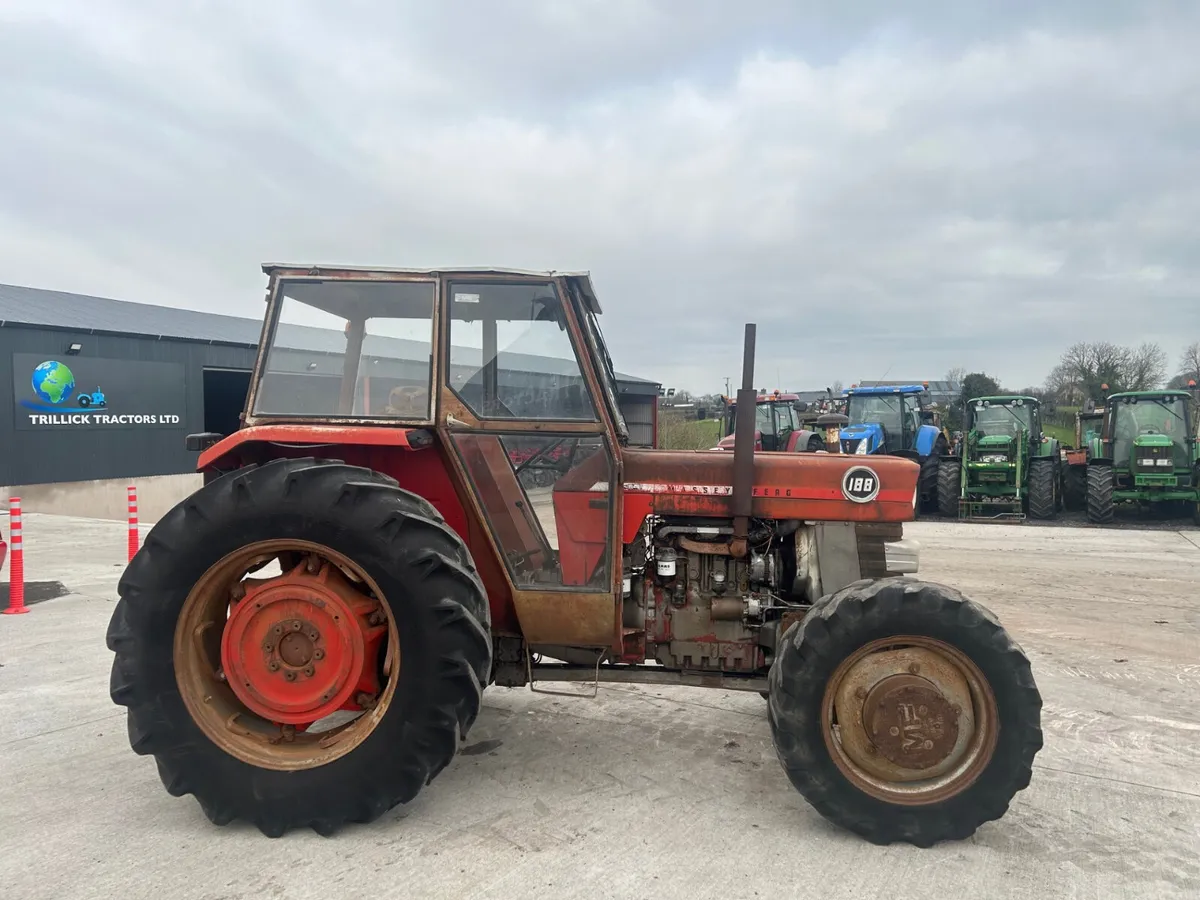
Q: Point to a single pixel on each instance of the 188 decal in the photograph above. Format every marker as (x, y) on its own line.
(860, 484)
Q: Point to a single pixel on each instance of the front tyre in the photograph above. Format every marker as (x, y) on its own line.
(949, 487)
(1043, 491)
(1100, 494)
(300, 644)
(904, 712)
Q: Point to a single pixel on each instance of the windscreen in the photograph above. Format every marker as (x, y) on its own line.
(1001, 419)
(880, 409)
(1164, 416)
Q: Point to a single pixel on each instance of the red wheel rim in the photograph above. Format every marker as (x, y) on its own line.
(298, 647)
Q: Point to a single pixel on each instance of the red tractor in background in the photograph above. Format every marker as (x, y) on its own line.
(306, 640)
(777, 425)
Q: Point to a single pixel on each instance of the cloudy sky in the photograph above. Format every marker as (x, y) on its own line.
(969, 183)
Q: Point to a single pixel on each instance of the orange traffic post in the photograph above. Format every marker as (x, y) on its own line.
(16, 564)
(133, 523)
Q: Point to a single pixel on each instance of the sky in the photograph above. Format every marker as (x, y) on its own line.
(885, 194)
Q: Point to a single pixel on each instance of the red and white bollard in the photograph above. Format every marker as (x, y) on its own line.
(133, 523)
(16, 563)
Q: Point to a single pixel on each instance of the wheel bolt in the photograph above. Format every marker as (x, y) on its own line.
(273, 666)
(314, 635)
(289, 675)
(860, 692)
(268, 646)
(278, 629)
(309, 671)
(296, 626)
(914, 669)
(318, 653)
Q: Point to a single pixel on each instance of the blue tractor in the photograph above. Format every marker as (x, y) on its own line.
(897, 421)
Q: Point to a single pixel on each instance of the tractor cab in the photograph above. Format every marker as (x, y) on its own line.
(1150, 438)
(885, 419)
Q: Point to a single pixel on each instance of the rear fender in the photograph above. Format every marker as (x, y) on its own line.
(414, 457)
(908, 454)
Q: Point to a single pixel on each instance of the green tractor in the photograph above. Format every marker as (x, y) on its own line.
(1146, 453)
(1008, 467)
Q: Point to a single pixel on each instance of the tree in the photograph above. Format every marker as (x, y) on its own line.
(836, 388)
(1189, 366)
(1085, 369)
(956, 375)
(977, 384)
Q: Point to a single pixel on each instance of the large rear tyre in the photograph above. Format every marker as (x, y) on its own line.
(904, 712)
(949, 487)
(1043, 489)
(235, 685)
(927, 484)
(1075, 488)
(1100, 494)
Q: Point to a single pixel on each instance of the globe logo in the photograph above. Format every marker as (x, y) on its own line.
(53, 382)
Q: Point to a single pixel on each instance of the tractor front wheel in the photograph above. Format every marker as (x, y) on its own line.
(949, 487)
(904, 712)
(1043, 489)
(1100, 494)
(300, 644)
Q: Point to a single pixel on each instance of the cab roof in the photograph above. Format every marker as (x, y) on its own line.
(1006, 398)
(583, 280)
(887, 389)
(1173, 394)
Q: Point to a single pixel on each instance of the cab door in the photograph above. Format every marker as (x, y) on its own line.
(522, 410)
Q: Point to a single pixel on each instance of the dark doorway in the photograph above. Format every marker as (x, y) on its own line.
(224, 398)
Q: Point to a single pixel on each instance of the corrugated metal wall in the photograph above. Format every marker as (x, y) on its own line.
(638, 411)
(80, 453)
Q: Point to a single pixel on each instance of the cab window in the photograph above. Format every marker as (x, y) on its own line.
(511, 355)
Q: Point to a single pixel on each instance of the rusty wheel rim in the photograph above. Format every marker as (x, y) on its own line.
(289, 671)
(910, 720)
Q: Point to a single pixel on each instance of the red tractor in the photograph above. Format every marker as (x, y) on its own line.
(305, 641)
(777, 427)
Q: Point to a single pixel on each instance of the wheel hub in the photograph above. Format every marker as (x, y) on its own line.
(910, 722)
(301, 646)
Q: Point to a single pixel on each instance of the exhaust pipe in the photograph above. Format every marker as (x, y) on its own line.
(743, 449)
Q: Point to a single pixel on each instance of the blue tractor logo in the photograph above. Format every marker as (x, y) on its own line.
(895, 420)
(95, 399)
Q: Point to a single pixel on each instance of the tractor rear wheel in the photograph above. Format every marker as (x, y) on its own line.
(927, 484)
(1075, 488)
(949, 487)
(328, 687)
(1043, 489)
(1100, 494)
(904, 712)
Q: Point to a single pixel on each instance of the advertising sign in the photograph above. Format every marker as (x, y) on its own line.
(88, 393)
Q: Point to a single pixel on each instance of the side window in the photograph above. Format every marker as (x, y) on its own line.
(350, 348)
(511, 356)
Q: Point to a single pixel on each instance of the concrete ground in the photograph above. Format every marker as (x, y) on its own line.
(644, 792)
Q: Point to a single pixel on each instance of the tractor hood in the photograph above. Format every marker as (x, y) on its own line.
(995, 442)
(1152, 440)
(727, 442)
(863, 438)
